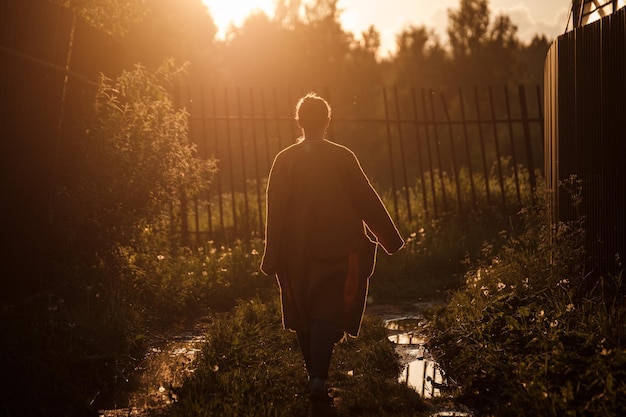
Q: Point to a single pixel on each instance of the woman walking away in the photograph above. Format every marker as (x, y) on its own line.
(318, 204)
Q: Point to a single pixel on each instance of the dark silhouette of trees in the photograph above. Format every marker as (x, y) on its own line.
(305, 46)
(420, 59)
(179, 29)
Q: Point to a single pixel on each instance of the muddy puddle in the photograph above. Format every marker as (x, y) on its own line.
(164, 367)
(420, 371)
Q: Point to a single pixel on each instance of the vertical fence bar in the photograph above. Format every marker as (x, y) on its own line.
(255, 147)
(292, 125)
(197, 218)
(511, 136)
(438, 150)
(430, 158)
(244, 175)
(455, 170)
(276, 113)
(403, 156)
(182, 193)
(482, 146)
(230, 162)
(218, 176)
(391, 164)
(497, 144)
(266, 133)
(207, 191)
(248, 142)
(419, 152)
(540, 110)
(467, 147)
(527, 141)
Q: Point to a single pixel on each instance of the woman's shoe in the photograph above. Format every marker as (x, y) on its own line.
(318, 390)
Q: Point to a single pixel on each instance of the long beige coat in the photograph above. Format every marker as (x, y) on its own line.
(318, 203)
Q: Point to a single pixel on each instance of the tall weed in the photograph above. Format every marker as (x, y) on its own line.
(524, 336)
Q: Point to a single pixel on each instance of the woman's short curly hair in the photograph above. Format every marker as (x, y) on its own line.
(312, 112)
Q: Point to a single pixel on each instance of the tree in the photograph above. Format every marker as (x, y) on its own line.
(133, 161)
(468, 27)
(484, 52)
(179, 29)
(114, 17)
(287, 13)
(420, 58)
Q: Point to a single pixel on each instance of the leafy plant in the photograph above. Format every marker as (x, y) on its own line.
(524, 336)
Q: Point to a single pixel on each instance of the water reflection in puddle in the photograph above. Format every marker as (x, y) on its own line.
(420, 371)
(162, 369)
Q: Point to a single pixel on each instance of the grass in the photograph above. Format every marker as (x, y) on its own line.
(250, 367)
(520, 332)
(525, 335)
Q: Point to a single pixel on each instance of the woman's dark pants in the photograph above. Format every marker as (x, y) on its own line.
(317, 346)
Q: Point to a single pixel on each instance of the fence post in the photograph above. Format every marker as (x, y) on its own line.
(513, 153)
(402, 155)
(438, 149)
(430, 159)
(419, 152)
(497, 143)
(218, 175)
(256, 163)
(246, 207)
(529, 149)
(467, 147)
(455, 169)
(391, 164)
(482, 146)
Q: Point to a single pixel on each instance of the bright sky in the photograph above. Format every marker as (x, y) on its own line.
(547, 17)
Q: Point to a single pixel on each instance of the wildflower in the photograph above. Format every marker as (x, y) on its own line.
(254, 252)
(413, 235)
(554, 323)
(485, 290)
(205, 273)
(570, 307)
(501, 286)
(190, 273)
(160, 257)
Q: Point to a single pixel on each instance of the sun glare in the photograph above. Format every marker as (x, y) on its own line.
(227, 12)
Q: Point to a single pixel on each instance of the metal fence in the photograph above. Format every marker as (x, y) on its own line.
(50, 62)
(585, 130)
(428, 152)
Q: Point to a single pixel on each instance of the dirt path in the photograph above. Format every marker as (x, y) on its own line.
(171, 358)
(164, 366)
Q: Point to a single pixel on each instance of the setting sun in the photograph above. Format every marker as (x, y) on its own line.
(229, 12)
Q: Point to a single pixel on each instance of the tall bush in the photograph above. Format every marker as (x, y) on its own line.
(524, 336)
(65, 345)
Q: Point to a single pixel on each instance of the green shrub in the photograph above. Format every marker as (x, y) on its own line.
(525, 337)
